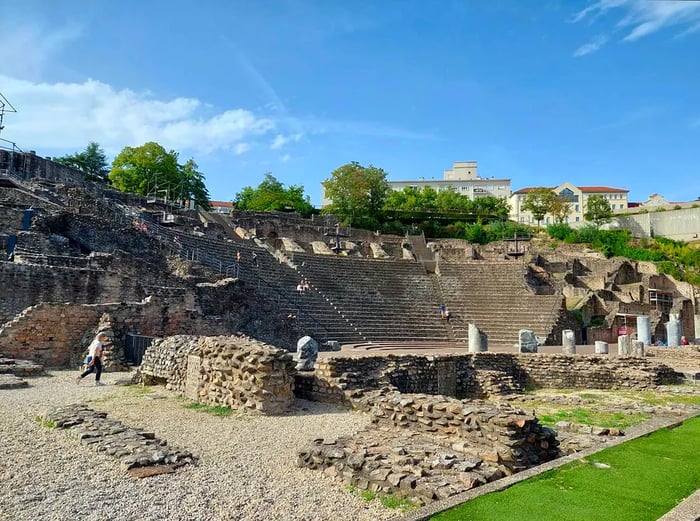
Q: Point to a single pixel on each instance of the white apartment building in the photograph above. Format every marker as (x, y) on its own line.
(576, 196)
(462, 178)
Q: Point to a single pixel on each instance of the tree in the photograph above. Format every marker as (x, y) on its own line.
(538, 202)
(493, 208)
(270, 195)
(560, 209)
(150, 169)
(357, 193)
(597, 210)
(192, 185)
(92, 162)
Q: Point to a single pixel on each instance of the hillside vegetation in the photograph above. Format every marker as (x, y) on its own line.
(676, 258)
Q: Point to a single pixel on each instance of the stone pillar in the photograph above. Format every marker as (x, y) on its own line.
(697, 328)
(477, 340)
(623, 345)
(673, 332)
(644, 330)
(527, 342)
(601, 348)
(638, 348)
(568, 342)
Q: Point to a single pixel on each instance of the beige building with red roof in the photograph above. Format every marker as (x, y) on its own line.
(576, 196)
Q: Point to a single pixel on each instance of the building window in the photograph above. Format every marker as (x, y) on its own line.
(576, 208)
(612, 207)
(577, 219)
(567, 195)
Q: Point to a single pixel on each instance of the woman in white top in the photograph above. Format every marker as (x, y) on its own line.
(94, 359)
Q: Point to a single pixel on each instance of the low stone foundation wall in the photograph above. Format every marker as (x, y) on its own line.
(232, 371)
(20, 367)
(479, 375)
(133, 448)
(685, 356)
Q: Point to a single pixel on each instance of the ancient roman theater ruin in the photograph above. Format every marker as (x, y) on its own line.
(273, 315)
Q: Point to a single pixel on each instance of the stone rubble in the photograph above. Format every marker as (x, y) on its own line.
(432, 447)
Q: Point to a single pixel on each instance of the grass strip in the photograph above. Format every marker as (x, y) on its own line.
(636, 481)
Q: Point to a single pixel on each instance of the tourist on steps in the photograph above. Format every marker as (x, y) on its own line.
(94, 359)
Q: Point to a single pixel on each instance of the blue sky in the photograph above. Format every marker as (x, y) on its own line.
(603, 92)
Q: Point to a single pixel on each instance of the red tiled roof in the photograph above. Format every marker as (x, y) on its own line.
(529, 189)
(221, 204)
(601, 189)
(585, 189)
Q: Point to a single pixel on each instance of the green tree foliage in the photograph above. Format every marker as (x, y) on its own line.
(192, 185)
(597, 210)
(92, 162)
(538, 202)
(560, 209)
(484, 209)
(357, 194)
(270, 195)
(411, 198)
(150, 169)
(490, 208)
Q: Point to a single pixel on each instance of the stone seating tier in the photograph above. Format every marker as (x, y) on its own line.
(495, 297)
(328, 309)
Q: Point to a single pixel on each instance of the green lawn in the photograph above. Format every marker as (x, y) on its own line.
(646, 478)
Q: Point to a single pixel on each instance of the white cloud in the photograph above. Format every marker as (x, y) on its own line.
(285, 158)
(69, 115)
(281, 140)
(241, 148)
(643, 17)
(591, 46)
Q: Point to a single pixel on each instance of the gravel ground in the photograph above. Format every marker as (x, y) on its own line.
(246, 471)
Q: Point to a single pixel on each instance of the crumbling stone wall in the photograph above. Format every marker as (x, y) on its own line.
(55, 334)
(165, 362)
(232, 371)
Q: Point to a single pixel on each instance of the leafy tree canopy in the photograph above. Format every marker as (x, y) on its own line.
(270, 195)
(357, 193)
(560, 209)
(150, 169)
(597, 209)
(539, 202)
(92, 162)
(447, 201)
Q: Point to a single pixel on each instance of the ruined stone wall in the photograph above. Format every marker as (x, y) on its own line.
(165, 362)
(29, 284)
(56, 335)
(459, 375)
(28, 166)
(232, 371)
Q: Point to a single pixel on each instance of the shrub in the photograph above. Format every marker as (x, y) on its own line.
(559, 231)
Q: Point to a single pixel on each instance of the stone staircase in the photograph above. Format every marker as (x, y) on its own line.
(495, 297)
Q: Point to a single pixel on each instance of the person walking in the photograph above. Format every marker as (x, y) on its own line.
(94, 359)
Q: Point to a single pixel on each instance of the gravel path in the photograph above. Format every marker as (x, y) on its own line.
(246, 471)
